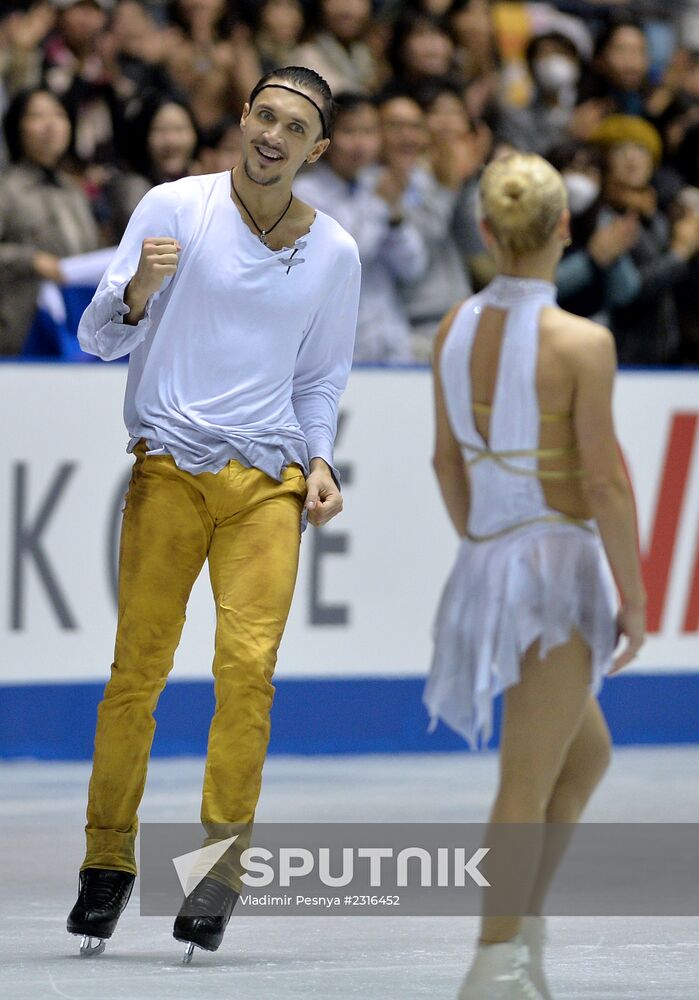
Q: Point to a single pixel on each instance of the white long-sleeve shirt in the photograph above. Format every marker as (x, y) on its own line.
(389, 255)
(244, 352)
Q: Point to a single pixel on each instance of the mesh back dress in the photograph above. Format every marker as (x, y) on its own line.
(523, 572)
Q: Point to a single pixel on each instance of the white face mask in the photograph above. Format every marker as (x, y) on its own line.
(583, 192)
(556, 72)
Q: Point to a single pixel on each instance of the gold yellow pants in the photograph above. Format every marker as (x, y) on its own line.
(249, 527)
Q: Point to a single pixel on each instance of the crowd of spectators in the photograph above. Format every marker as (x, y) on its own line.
(102, 99)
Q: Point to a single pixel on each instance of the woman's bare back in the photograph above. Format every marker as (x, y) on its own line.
(562, 338)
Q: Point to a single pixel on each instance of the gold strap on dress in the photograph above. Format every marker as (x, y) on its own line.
(546, 418)
(544, 519)
(501, 458)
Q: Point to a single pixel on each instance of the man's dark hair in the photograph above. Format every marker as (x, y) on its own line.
(614, 23)
(300, 77)
(12, 122)
(565, 154)
(395, 91)
(349, 102)
(429, 90)
(222, 29)
(535, 43)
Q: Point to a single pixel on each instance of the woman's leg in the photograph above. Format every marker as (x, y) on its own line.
(585, 764)
(542, 715)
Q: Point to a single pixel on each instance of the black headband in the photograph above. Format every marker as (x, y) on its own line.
(281, 86)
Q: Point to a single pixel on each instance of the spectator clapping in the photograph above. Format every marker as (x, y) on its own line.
(429, 91)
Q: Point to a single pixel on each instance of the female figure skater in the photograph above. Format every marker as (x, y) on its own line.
(531, 475)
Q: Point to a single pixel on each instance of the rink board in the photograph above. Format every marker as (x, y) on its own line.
(324, 716)
(358, 645)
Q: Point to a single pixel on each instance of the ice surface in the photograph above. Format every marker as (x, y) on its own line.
(276, 958)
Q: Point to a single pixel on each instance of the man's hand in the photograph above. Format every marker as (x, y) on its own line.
(48, 267)
(323, 500)
(391, 186)
(27, 31)
(457, 158)
(610, 242)
(587, 116)
(159, 259)
(685, 236)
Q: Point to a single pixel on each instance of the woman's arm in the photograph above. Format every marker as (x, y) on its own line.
(448, 461)
(606, 483)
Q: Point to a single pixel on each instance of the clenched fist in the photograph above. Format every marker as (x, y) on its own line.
(159, 259)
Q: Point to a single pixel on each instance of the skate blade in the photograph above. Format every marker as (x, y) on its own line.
(188, 953)
(90, 950)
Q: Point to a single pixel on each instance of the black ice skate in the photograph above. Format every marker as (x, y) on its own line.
(204, 916)
(101, 900)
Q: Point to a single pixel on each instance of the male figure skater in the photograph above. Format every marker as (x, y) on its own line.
(237, 304)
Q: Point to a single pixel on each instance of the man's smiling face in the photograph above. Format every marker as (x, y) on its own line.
(281, 132)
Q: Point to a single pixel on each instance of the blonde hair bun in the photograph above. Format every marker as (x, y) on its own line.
(513, 188)
(522, 196)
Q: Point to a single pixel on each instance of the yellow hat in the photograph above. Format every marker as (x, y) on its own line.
(618, 129)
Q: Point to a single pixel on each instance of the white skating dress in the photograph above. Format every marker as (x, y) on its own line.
(524, 571)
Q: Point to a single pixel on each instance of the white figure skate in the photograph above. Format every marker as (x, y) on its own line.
(500, 972)
(535, 937)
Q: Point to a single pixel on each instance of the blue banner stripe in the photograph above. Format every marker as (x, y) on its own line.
(328, 716)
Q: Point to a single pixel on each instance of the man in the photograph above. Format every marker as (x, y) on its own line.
(369, 202)
(237, 303)
(432, 191)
